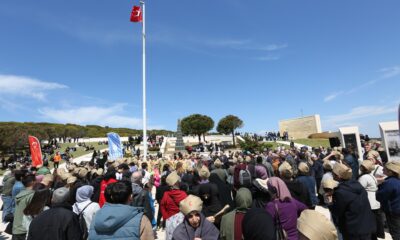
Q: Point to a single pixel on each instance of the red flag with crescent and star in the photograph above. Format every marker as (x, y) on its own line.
(136, 15)
(36, 151)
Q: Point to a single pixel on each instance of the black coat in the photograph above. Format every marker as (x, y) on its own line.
(57, 223)
(351, 210)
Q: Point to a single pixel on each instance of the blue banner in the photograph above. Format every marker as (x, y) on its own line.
(114, 146)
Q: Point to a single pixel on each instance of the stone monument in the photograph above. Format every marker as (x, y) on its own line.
(301, 127)
(179, 145)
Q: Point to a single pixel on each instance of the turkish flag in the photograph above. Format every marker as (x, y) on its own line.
(136, 15)
(36, 151)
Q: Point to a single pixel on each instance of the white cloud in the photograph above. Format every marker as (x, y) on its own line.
(386, 73)
(332, 96)
(244, 44)
(26, 86)
(267, 58)
(357, 115)
(390, 72)
(112, 116)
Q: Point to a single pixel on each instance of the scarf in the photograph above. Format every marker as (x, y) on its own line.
(281, 189)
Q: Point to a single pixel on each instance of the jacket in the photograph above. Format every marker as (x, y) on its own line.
(369, 183)
(143, 199)
(170, 202)
(351, 210)
(288, 214)
(22, 200)
(57, 223)
(119, 221)
(311, 186)
(389, 195)
(8, 183)
(243, 203)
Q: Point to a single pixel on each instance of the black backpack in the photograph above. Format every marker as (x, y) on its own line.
(82, 223)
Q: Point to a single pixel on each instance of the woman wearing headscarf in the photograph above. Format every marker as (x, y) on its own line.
(261, 195)
(224, 190)
(252, 228)
(195, 225)
(211, 204)
(231, 223)
(283, 207)
(84, 204)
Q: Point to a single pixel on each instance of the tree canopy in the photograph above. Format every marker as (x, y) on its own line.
(14, 135)
(228, 125)
(196, 124)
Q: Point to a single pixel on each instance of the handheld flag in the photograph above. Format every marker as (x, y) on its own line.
(114, 146)
(36, 151)
(136, 15)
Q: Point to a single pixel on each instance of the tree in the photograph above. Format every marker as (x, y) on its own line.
(196, 124)
(228, 125)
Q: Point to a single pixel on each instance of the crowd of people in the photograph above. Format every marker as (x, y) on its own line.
(228, 195)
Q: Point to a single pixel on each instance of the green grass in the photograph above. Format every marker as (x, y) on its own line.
(80, 151)
(313, 142)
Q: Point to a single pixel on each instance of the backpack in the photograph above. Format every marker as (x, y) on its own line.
(245, 178)
(82, 223)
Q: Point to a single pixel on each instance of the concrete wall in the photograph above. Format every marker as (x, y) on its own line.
(301, 127)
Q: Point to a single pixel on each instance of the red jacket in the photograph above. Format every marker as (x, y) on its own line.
(103, 186)
(170, 202)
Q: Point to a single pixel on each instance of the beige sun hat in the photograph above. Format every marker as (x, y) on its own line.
(47, 179)
(83, 172)
(343, 171)
(189, 204)
(65, 176)
(303, 167)
(71, 180)
(204, 172)
(172, 178)
(329, 184)
(100, 171)
(285, 169)
(316, 226)
(217, 163)
(393, 166)
(368, 165)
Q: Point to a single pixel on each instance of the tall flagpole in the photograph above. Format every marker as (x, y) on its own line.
(144, 83)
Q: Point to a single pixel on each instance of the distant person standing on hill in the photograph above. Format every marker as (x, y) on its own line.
(57, 159)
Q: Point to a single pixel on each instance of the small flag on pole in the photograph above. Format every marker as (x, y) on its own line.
(136, 15)
(114, 146)
(36, 151)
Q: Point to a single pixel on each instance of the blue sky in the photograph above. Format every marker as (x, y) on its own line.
(80, 62)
